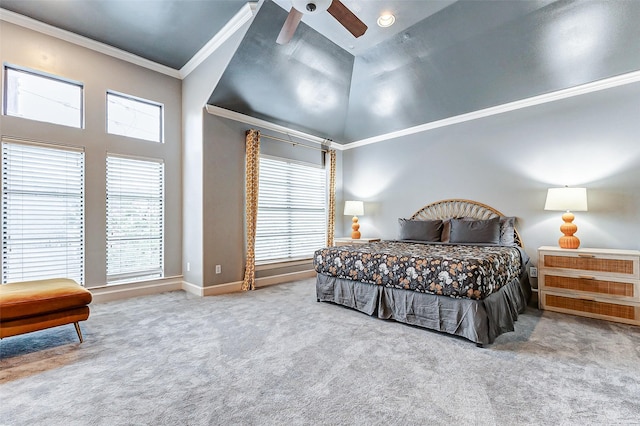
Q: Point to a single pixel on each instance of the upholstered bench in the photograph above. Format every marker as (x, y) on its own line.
(35, 305)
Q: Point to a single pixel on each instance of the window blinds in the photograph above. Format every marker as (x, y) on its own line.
(42, 212)
(135, 219)
(291, 210)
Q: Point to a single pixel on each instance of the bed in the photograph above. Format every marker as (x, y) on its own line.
(458, 267)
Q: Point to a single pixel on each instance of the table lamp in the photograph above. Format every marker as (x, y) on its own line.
(567, 199)
(355, 209)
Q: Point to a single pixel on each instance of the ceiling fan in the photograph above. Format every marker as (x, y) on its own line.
(313, 7)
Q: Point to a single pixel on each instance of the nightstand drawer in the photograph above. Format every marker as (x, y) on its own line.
(596, 283)
(592, 263)
(627, 313)
(591, 284)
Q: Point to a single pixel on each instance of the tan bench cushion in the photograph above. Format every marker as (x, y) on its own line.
(30, 298)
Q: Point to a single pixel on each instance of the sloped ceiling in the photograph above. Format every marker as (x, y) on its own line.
(304, 83)
(468, 56)
(168, 32)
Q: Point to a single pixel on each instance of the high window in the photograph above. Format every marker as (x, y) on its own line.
(135, 219)
(291, 210)
(38, 96)
(134, 117)
(42, 212)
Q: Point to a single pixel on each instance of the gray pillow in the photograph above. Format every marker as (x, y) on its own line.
(507, 230)
(446, 230)
(420, 230)
(475, 231)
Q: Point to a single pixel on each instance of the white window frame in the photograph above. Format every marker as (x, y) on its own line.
(122, 173)
(11, 96)
(43, 224)
(135, 99)
(290, 220)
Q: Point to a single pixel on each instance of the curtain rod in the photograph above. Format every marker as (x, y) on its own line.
(292, 142)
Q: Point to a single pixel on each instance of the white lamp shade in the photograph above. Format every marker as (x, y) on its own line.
(566, 199)
(353, 208)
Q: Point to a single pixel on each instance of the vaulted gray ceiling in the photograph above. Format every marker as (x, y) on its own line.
(442, 58)
(468, 56)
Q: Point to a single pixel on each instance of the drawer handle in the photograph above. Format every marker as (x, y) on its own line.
(588, 299)
(586, 255)
(586, 277)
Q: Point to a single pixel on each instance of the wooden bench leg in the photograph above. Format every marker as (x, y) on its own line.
(77, 324)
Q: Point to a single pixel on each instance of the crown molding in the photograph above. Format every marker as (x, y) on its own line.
(230, 28)
(607, 83)
(252, 121)
(234, 24)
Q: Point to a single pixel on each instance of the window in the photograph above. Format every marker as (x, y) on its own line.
(135, 219)
(42, 212)
(291, 210)
(41, 97)
(132, 117)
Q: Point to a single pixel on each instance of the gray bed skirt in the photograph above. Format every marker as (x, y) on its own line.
(480, 321)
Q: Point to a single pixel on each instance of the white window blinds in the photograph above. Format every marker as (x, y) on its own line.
(42, 212)
(291, 210)
(135, 219)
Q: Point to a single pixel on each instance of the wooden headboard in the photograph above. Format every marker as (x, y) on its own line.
(447, 209)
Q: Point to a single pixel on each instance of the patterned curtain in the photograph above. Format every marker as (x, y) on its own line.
(332, 197)
(251, 206)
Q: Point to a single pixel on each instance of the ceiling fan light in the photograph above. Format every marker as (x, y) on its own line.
(386, 20)
(311, 7)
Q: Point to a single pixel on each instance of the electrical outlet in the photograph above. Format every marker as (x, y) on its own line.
(188, 266)
(533, 272)
(218, 269)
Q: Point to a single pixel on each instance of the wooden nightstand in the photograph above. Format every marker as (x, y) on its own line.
(595, 283)
(348, 241)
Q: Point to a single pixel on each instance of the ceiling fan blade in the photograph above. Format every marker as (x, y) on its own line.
(289, 27)
(348, 20)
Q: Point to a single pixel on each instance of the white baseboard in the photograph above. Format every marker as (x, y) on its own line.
(194, 289)
(214, 290)
(234, 287)
(125, 291)
(285, 278)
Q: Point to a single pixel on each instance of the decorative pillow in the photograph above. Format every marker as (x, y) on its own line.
(507, 230)
(475, 231)
(420, 230)
(446, 230)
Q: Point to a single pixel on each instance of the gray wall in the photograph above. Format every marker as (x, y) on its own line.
(99, 73)
(196, 89)
(224, 190)
(224, 182)
(508, 161)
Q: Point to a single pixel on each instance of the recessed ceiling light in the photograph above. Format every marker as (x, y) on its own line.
(386, 20)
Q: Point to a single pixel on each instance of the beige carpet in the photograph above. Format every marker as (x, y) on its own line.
(275, 356)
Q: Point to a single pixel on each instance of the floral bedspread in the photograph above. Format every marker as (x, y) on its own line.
(470, 271)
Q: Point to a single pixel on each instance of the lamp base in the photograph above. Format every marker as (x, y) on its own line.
(355, 234)
(568, 241)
